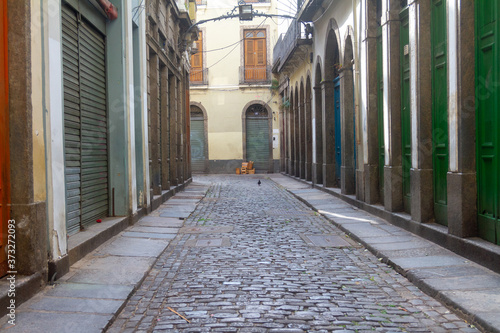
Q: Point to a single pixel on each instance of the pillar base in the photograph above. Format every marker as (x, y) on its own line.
(347, 180)
(329, 175)
(317, 173)
(393, 188)
(359, 184)
(372, 189)
(462, 208)
(422, 197)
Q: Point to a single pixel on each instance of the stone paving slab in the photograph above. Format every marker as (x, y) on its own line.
(484, 302)
(85, 305)
(178, 214)
(156, 221)
(119, 271)
(206, 230)
(153, 229)
(82, 290)
(125, 246)
(428, 261)
(484, 282)
(149, 235)
(29, 322)
(466, 269)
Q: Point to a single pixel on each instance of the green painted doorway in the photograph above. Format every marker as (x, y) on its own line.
(488, 122)
(439, 110)
(404, 40)
(257, 138)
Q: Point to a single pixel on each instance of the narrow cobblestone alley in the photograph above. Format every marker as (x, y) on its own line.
(255, 259)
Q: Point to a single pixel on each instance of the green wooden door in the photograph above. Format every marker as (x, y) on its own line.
(404, 39)
(85, 122)
(380, 110)
(487, 104)
(257, 142)
(197, 138)
(439, 109)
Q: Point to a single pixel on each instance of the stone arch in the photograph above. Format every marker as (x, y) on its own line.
(296, 117)
(332, 51)
(302, 125)
(202, 108)
(331, 146)
(318, 124)
(348, 169)
(291, 126)
(308, 127)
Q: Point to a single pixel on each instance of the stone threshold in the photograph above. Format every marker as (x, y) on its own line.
(79, 245)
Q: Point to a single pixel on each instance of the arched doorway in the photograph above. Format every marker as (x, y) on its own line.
(348, 129)
(291, 135)
(257, 142)
(198, 137)
(331, 115)
(318, 126)
(308, 126)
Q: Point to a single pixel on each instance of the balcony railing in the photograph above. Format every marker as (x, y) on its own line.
(255, 75)
(198, 77)
(288, 42)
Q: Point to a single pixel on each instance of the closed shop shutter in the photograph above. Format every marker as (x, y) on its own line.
(198, 145)
(85, 122)
(257, 143)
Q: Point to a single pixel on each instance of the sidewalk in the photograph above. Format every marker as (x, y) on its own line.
(88, 297)
(457, 282)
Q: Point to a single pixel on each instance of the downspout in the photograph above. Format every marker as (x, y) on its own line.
(359, 149)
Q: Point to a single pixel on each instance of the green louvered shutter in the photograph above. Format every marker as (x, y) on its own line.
(72, 119)
(94, 125)
(198, 145)
(257, 142)
(85, 115)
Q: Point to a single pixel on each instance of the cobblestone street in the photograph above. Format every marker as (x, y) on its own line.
(256, 259)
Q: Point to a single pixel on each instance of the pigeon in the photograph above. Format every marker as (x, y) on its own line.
(259, 182)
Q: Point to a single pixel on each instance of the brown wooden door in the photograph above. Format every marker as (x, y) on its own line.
(4, 139)
(255, 55)
(196, 75)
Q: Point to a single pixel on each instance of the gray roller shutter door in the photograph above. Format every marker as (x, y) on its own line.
(198, 145)
(257, 143)
(85, 122)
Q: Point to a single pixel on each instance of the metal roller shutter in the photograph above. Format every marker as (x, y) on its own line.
(257, 142)
(85, 122)
(198, 145)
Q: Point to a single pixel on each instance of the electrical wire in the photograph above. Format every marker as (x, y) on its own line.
(137, 10)
(234, 48)
(316, 20)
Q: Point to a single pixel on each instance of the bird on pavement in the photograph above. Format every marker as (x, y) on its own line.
(259, 182)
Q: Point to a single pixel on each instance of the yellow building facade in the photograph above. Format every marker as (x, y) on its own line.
(234, 106)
